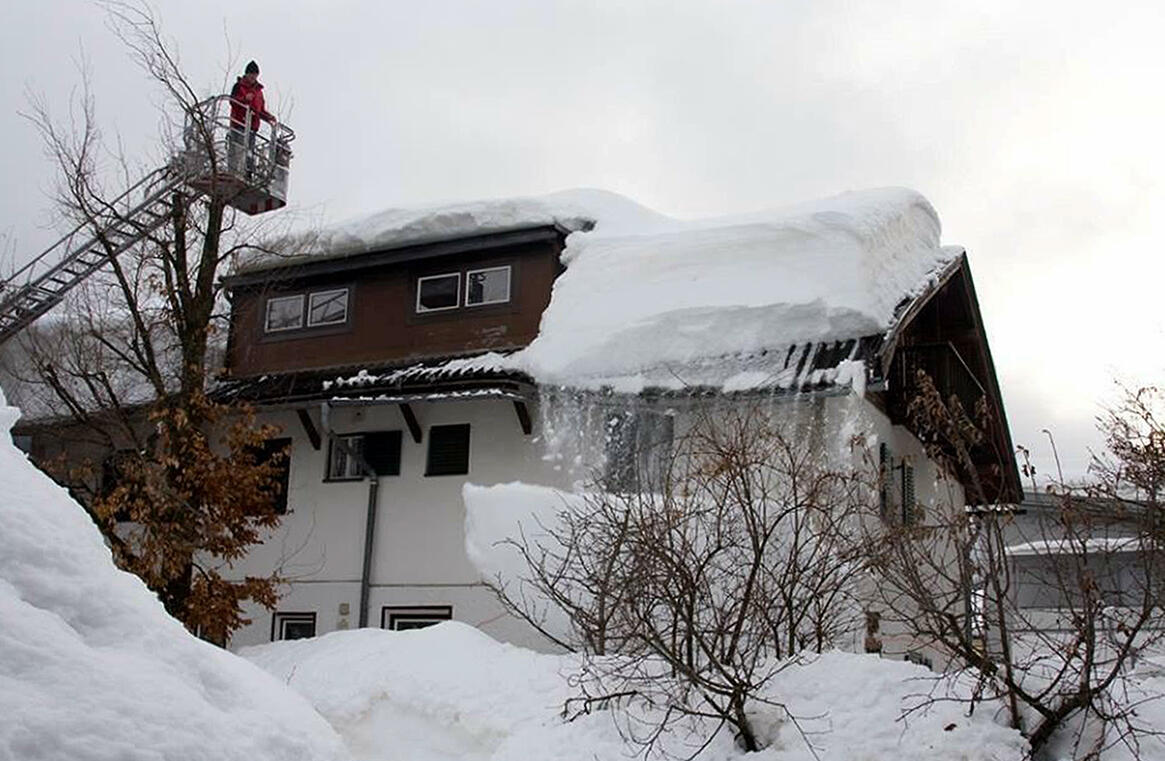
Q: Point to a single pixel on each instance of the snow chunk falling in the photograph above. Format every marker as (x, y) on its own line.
(92, 668)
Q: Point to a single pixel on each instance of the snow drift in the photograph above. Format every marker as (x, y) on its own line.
(92, 668)
(451, 692)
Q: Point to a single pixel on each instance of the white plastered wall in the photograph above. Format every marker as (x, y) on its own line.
(420, 558)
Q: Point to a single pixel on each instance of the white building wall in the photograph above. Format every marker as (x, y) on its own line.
(420, 557)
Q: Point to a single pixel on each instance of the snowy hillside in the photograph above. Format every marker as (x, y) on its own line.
(92, 668)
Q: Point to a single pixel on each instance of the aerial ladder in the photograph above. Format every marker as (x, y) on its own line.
(220, 158)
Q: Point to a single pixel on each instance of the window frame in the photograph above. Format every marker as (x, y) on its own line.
(456, 301)
(350, 461)
(311, 296)
(638, 445)
(509, 270)
(281, 618)
(426, 615)
(271, 300)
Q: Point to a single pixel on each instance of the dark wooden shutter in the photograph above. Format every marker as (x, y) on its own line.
(909, 511)
(884, 468)
(270, 449)
(382, 452)
(448, 450)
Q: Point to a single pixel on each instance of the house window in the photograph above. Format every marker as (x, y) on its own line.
(327, 308)
(896, 488)
(415, 617)
(344, 458)
(489, 286)
(448, 450)
(436, 293)
(284, 313)
(293, 626)
(379, 449)
(638, 447)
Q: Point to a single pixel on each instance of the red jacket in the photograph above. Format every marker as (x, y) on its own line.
(244, 95)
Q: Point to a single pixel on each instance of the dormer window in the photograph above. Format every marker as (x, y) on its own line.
(327, 308)
(437, 293)
(284, 313)
(489, 286)
(444, 292)
(316, 309)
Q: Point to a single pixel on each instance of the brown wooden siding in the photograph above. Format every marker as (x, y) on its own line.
(383, 326)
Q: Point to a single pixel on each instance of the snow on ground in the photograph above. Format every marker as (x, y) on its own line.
(92, 668)
(644, 293)
(451, 692)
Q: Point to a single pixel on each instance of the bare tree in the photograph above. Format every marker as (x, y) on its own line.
(688, 594)
(1049, 617)
(124, 371)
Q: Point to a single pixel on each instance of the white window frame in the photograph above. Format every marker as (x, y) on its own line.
(319, 294)
(353, 469)
(456, 302)
(427, 615)
(267, 314)
(509, 283)
(282, 618)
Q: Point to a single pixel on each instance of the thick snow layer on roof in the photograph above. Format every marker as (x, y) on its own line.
(450, 691)
(91, 667)
(645, 297)
(570, 210)
(822, 271)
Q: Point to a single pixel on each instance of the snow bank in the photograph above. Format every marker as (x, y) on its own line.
(451, 692)
(91, 667)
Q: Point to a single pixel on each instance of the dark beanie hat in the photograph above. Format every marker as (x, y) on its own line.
(252, 68)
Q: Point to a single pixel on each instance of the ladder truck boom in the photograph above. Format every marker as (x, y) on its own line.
(246, 169)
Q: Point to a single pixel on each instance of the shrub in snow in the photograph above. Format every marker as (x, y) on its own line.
(692, 587)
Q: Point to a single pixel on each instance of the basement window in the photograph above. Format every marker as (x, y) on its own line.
(437, 293)
(327, 308)
(400, 618)
(448, 450)
(293, 626)
(284, 313)
(488, 286)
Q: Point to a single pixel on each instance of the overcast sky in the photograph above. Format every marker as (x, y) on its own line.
(1035, 128)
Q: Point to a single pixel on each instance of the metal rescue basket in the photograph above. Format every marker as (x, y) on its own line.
(226, 158)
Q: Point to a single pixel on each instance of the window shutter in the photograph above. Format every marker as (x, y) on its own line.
(909, 515)
(448, 450)
(884, 480)
(382, 452)
(268, 450)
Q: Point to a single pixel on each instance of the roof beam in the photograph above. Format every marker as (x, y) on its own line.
(410, 417)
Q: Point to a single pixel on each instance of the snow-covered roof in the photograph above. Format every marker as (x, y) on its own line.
(646, 299)
(569, 210)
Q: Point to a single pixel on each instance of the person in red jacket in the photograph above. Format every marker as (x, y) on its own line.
(246, 95)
